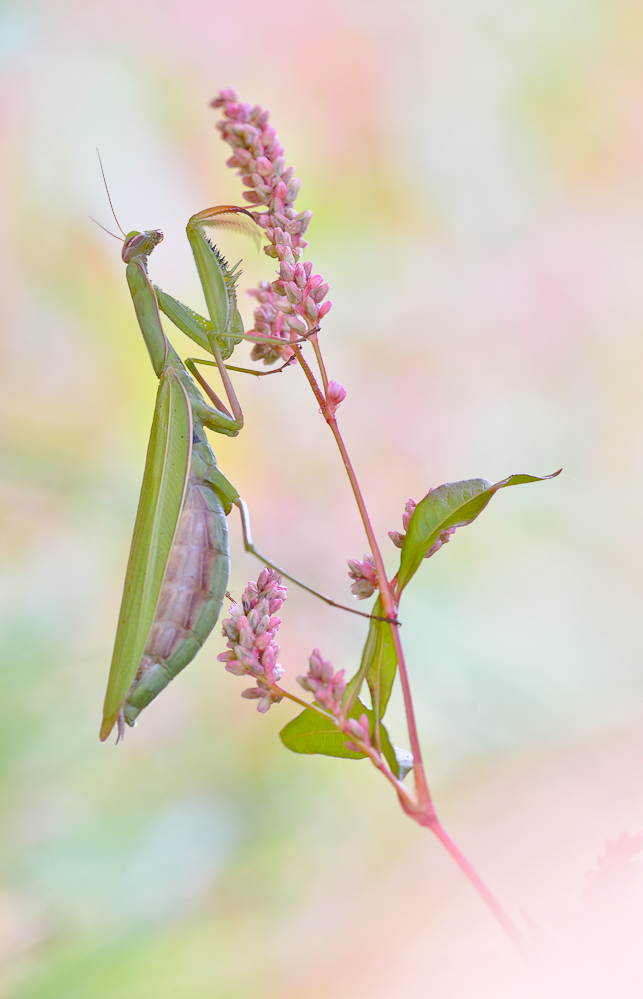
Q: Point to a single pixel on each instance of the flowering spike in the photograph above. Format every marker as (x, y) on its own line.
(250, 633)
(365, 576)
(258, 157)
(322, 681)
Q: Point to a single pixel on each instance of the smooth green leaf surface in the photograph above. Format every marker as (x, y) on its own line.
(382, 666)
(311, 733)
(453, 504)
(378, 665)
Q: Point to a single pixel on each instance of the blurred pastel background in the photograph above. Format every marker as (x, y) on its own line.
(476, 174)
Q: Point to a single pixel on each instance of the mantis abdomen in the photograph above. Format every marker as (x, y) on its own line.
(191, 595)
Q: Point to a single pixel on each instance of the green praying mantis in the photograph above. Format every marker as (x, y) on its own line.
(179, 560)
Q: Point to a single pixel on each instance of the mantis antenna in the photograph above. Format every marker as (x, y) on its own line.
(108, 198)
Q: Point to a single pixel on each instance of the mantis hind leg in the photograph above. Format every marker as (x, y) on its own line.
(249, 546)
(229, 497)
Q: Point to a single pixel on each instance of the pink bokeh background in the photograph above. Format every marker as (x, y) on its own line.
(476, 177)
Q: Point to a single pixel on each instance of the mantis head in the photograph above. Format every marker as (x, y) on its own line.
(139, 244)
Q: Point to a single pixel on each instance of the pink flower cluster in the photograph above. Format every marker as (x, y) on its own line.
(250, 631)
(360, 730)
(329, 688)
(398, 539)
(322, 681)
(365, 576)
(293, 304)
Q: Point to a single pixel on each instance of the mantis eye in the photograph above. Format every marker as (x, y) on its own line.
(140, 243)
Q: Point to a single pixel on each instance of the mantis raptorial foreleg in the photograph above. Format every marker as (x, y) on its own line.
(219, 335)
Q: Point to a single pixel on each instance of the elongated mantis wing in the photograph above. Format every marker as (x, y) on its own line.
(162, 494)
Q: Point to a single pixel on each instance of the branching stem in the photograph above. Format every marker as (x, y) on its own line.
(419, 807)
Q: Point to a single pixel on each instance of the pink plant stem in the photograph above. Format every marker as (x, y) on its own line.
(388, 600)
(483, 891)
(389, 606)
(422, 809)
(259, 157)
(320, 360)
(311, 378)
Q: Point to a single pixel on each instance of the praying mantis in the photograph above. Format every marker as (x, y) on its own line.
(179, 561)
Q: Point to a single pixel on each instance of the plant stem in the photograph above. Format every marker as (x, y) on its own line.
(311, 378)
(305, 704)
(320, 360)
(476, 881)
(390, 610)
(389, 603)
(421, 809)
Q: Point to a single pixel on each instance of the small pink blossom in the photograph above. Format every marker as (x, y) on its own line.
(365, 576)
(292, 305)
(322, 681)
(441, 539)
(409, 509)
(360, 730)
(250, 632)
(398, 539)
(335, 395)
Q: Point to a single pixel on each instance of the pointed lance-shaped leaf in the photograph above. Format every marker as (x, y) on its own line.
(453, 504)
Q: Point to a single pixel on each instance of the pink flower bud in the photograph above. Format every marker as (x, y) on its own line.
(246, 636)
(312, 311)
(335, 395)
(324, 310)
(251, 693)
(262, 642)
(409, 510)
(226, 94)
(234, 666)
(264, 167)
(296, 324)
(396, 538)
(362, 589)
(293, 189)
(365, 575)
(358, 730)
(318, 293)
(441, 540)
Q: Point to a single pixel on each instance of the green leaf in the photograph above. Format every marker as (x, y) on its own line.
(381, 668)
(311, 733)
(378, 665)
(454, 504)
